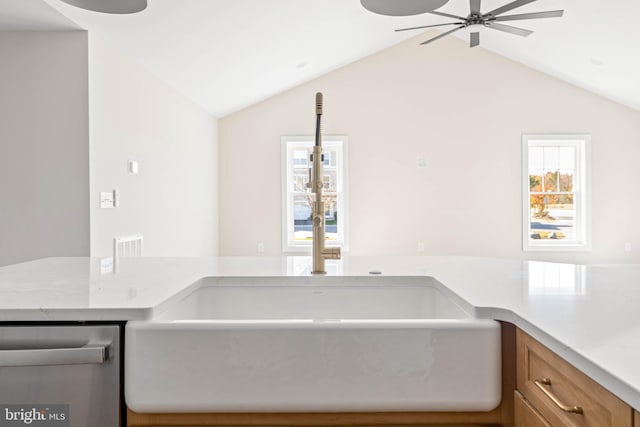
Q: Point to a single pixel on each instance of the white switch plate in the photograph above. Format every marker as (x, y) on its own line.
(106, 265)
(422, 162)
(106, 199)
(133, 167)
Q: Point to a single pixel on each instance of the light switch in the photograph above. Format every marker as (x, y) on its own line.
(106, 199)
(106, 265)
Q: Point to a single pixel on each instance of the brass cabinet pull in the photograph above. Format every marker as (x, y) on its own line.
(542, 382)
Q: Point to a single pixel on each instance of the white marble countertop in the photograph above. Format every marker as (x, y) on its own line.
(587, 314)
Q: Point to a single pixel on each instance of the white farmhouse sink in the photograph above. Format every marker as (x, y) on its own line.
(311, 344)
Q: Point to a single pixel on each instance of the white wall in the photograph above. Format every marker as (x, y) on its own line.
(464, 110)
(173, 199)
(44, 150)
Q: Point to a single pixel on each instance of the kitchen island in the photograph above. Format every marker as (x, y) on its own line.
(588, 315)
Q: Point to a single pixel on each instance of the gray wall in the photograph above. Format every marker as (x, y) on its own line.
(44, 147)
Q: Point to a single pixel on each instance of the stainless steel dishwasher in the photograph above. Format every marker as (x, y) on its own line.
(62, 375)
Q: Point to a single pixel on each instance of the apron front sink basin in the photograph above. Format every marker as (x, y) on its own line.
(313, 344)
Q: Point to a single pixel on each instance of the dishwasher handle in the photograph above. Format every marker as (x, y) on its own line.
(89, 354)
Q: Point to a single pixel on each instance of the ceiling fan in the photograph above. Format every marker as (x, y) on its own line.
(476, 20)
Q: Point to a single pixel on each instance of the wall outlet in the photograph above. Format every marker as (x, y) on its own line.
(260, 248)
(627, 247)
(420, 247)
(422, 162)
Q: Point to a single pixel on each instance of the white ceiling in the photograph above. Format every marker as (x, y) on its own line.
(228, 54)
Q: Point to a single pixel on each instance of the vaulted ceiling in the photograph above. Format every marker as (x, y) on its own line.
(228, 54)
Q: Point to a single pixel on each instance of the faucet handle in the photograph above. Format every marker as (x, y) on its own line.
(331, 253)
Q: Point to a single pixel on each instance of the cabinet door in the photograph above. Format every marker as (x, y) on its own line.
(561, 393)
(526, 415)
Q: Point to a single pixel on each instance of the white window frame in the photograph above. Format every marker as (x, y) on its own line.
(581, 190)
(289, 143)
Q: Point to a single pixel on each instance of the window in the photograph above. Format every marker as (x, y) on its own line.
(555, 192)
(296, 194)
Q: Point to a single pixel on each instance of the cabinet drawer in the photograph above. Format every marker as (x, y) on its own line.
(542, 377)
(525, 415)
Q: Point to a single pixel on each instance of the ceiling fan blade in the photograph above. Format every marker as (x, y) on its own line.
(434, 12)
(117, 7)
(474, 5)
(429, 26)
(508, 7)
(475, 40)
(535, 15)
(393, 8)
(509, 29)
(442, 35)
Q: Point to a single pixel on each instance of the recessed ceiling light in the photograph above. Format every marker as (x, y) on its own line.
(110, 6)
(402, 7)
(597, 62)
(301, 64)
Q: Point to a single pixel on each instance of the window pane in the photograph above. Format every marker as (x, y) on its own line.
(567, 160)
(300, 182)
(551, 161)
(535, 183)
(551, 181)
(552, 217)
(302, 217)
(330, 181)
(330, 154)
(536, 159)
(331, 216)
(327, 155)
(302, 223)
(300, 158)
(566, 181)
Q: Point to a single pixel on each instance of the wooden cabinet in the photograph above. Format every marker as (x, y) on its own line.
(555, 394)
(380, 419)
(526, 415)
